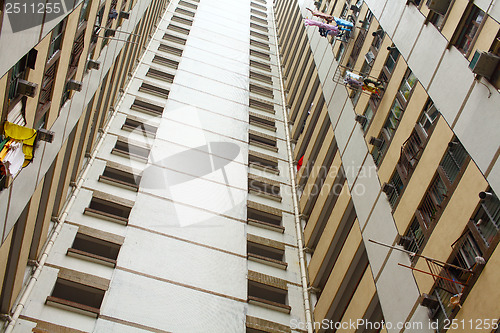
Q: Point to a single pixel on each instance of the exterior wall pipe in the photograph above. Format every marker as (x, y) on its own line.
(298, 225)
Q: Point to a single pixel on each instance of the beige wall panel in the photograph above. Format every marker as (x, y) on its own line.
(4, 255)
(26, 242)
(352, 244)
(454, 17)
(328, 234)
(360, 300)
(422, 175)
(307, 155)
(486, 36)
(410, 117)
(452, 222)
(313, 176)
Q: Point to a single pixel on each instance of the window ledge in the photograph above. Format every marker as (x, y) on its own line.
(129, 155)
(264, 168)
(131, 129)
(119, 183)
(269, 304)
(263, 145)
(91, 257)
(265, 195)
(72, 306)
(266, 225)
(105, 216)
(263, 126)
(267, 261)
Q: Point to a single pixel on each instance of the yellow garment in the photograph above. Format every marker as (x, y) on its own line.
(24, 134)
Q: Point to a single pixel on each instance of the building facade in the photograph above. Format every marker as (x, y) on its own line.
(211, 166)
(398, 179)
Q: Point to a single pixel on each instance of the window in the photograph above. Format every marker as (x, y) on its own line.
(165, 62)
(368, 116)
(181, 20)
(178, 29)
(407, 85)
(46, 89)
(428, 118)
(264, 216)
(154, 90)
(472, 21)
(260, 105)
(261, 90)
(94, 249)
(396, 185)
(67, 91)
(266, 251)
(368, 20)
(264, 161)
(392, 58)
(267, 291)
(340, 52)
(84, 11)
(262, 140)
(77, 291)
(170, 49)
(261, 55)
(140, 105)
(104, 208)
(378, 37)
(128, 149)
(175, 39)
(263, 186)
(121, 177)
(56, 40)
(160, 75)
(260, 65)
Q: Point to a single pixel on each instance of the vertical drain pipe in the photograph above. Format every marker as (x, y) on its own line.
(298, 225)
(60, 221)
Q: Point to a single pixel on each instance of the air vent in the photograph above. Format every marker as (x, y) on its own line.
(261, 91)
(187, 4)
(184, 12)
(259, 35)
(258, 27)
(261, 77)
(263, 106)
(147, 107)
(260, 65)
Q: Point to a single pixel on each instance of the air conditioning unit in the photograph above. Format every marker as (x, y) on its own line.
(75, 85)
(361, 119)
(376, 142)
(26, 88)
(369, 57)
(109, 33)
(429, 301)
(388, 188)
(484, 63)
(93, 64)
(439, 6)
(45, 135)
(124, 15)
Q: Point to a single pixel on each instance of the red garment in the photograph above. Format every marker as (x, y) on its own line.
(299, 163)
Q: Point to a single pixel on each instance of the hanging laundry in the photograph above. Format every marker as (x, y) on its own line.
(13, 158)
(355, 81)
(326, 17)
(330, 29)
(299, 163)
(343, 24)
(24, 134)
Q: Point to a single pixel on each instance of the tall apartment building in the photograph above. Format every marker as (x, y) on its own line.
(398, 182)
(179, 216)
(217, 172)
